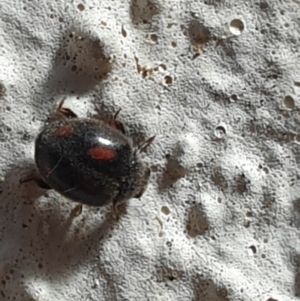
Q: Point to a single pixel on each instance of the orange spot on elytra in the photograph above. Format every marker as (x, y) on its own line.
(102, 154)
(64, 131)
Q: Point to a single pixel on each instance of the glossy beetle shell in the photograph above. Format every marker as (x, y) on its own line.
(89, 161)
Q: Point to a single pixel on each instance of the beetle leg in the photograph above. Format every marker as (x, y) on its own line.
(76, 211)
(116, 123)
(139, 195)
(37, 180)
(64, 111)
(115, 210)
(145, 180)
(142, 147)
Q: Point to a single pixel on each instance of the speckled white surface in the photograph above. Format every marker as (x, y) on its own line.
(218, 83)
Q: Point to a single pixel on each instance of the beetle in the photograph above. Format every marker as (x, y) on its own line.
(89, 160)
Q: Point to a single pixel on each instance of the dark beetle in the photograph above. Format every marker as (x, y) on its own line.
(89, 161)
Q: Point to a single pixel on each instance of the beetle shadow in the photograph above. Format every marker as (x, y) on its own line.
(12, 193)
(173, 172)
(16, 207)
(68, 244)
(40, 237)
(79, 64)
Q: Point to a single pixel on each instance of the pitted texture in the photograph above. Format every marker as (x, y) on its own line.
(218, 83)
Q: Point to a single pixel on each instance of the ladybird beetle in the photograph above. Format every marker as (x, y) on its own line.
(89, 161)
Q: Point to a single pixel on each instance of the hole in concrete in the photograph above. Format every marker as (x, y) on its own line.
(289, 102)
(80, 7)
(236, 27)
(165, 210)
